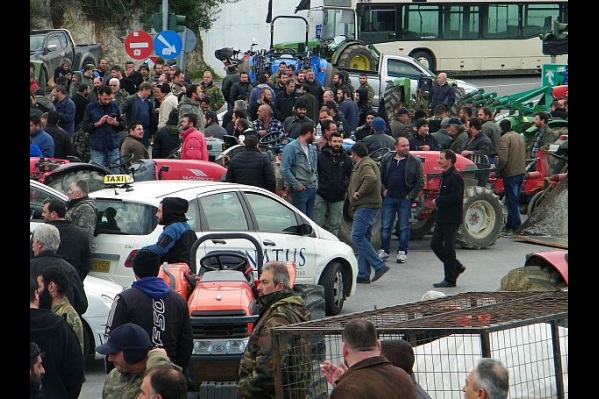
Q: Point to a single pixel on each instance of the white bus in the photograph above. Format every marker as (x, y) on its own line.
(460, 37)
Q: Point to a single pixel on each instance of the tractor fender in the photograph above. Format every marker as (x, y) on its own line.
(339, 50)
(558, 259)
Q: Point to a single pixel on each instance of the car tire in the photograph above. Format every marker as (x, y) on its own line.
(334, 283)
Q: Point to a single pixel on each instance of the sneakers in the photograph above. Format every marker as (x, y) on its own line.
(383, 255)
(379, 273)
(363, 280)
(401, 257)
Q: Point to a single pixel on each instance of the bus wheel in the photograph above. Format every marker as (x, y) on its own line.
(425, 59)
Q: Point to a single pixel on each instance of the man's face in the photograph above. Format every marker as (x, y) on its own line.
(405, 118)
(105, 99)
(118, 359)
(340, 96)
(268, 95)
(46, 214)
(158, 69)
(137, 132)
(205, 106)
(283, 79)
(328, 96)
(290, 88)
(73, 191)
(369, 119)
(262, 112)
(45, 300)
(301, 76)
(332, 129)
(402, 147)
(468, 389)
(98, 83)
(103, 65)
(244, 77)
(129, 69)
(157, 93)
(336, 80)
(36, 374)
(300, 113)
(266, 284)
(481, 115)
(145, 390)
(538, 122)
(443, 162)
(362, 79)
(282, 69)
(159, 211)
(310, 76)
(336, 143)
(89, 73)
(452, 130)
(310, 137)
(207, 78)
(145, 93)
(423, 130)
(184, 125)
(33, 128)
(323, 116)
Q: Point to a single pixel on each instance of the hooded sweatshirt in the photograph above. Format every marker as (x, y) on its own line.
(163, 313)
(177, 237)
(63, 361)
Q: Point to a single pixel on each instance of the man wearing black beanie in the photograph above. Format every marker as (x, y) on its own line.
(175, 241)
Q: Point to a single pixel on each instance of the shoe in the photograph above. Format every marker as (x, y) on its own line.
(461, 268)
(507, 233)
(401, 257)
(444, 284)
(383, 255)
(363, 281)
(379, 273)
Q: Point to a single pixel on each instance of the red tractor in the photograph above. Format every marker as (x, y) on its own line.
(222, 299)
(58, 173)
(483, 211)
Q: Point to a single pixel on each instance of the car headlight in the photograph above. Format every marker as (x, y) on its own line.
(219, 346)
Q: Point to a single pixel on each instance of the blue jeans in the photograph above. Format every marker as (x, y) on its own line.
(105, 158)
(361, 234)
(512, 188)
(402, 207)
(304, 200)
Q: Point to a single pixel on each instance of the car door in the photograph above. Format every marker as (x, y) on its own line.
(57, 47)
(283, 232)
(38, 194)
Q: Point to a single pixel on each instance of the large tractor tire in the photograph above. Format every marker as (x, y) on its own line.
(357, 57)
(392, 95)
(533, 278)
(421, 228)
(333, 281)
(313, 296)
(482, 218)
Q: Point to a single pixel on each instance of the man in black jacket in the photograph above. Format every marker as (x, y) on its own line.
(334, 170)
(45, 242)
(448, 218)
(74, 242)
(251, 167)
(152, 305)
(63, 362)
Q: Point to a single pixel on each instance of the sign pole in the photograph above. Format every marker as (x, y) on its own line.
(164, 14)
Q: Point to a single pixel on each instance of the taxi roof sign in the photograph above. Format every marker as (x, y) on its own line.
(118, 179)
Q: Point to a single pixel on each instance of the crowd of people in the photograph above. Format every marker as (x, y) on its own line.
(102, 114)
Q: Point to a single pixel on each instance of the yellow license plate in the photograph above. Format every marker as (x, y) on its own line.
(102, 266)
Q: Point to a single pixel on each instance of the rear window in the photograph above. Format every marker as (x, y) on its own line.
(128, 218)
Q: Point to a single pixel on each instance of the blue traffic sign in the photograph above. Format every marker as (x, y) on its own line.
(168, 44)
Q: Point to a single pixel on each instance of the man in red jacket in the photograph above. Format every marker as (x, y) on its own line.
(194, 142)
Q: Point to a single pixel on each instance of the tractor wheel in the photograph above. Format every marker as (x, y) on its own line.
(425, 59)
(421, 228)
(357, 57)
(392, 95)
(459, 94)
(313, 296)
(532, 278)
(482, 218)
(346, 226)
(334, 288)
(536, 200)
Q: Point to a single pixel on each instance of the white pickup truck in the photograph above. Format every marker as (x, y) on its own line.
(392, 67)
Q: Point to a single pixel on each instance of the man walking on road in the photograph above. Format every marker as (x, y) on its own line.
(448, 218)
(402, 180)
(365, 197)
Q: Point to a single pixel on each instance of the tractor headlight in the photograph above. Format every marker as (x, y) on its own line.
(219, 346)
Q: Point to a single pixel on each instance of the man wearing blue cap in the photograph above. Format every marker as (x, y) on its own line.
(379, 137)
(130, 350)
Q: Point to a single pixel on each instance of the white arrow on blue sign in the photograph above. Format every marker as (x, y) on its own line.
(168, 44)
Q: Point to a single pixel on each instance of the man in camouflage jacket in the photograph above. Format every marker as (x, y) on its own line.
(280, 306)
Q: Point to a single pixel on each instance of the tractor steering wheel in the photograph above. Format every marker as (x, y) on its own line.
(377, 155)
(224, 260)
(121, 162)
(271, 138)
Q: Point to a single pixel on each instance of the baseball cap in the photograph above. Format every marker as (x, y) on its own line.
(128, 336)
(403, 111)
(378, 124)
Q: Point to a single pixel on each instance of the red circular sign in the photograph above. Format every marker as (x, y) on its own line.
(139, 45)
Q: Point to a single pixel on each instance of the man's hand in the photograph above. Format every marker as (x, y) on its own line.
(356, 195)
(331, 372)
(301, 187)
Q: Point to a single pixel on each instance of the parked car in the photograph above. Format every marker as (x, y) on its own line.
(100, 293)
(285, 233)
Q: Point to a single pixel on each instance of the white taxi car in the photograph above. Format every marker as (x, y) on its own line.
(284, 232)
(100, 293)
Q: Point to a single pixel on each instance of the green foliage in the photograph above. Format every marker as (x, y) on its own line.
(199, 15)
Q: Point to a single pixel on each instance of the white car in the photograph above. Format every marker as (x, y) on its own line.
(284, 232)
(100, 293)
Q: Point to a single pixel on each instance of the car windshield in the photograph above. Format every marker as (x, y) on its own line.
(129, 218)
(36, 43)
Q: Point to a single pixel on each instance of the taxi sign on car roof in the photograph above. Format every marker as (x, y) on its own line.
(118, 179)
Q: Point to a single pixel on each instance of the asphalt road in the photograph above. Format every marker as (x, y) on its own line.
(405, 283)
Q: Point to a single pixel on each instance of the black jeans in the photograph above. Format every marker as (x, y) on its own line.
(443, 245)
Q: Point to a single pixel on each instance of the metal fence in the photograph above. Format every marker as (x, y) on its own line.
(527, 331)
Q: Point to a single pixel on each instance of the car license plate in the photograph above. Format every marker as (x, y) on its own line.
(101, 266)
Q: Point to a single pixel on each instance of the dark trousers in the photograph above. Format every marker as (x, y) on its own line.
(443, 245)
